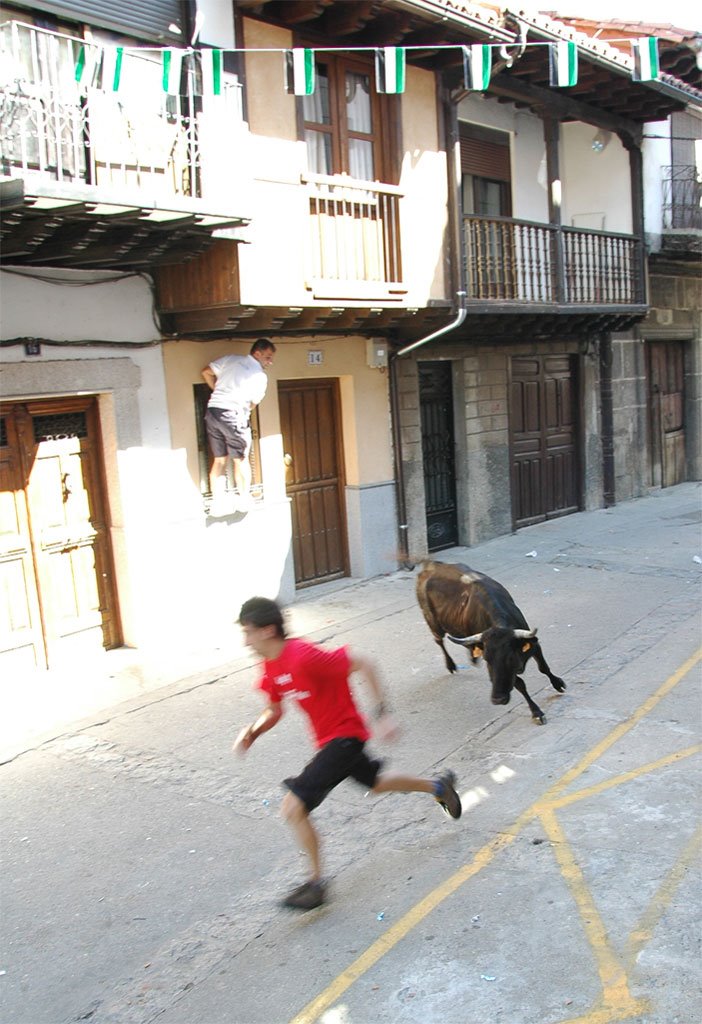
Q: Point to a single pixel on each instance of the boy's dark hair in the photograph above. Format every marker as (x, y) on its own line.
(261, 611)
(262, 345)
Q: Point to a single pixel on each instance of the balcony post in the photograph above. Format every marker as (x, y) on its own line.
(637, 216)
(553, 173)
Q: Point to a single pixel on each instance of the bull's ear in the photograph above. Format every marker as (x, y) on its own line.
(476, 650)
(527, 646)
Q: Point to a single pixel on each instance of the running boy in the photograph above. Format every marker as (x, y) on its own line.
(318, 680)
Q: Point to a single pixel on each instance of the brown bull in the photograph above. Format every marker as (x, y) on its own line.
(475, 611)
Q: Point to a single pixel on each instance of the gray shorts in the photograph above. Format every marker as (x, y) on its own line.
(228, 432)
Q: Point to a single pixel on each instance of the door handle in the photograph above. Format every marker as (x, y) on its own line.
(288, 459)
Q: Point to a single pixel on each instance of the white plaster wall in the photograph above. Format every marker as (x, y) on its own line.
(596, 186)
(656, 155)
(218, 23)
(89, 307)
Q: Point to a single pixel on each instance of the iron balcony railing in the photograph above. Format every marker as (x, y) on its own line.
(519, 261)
(682, 197)
(55, 128)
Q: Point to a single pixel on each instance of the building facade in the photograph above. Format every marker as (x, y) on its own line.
(453, 277)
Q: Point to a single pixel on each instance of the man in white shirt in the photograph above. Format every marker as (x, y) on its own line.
(238, 384)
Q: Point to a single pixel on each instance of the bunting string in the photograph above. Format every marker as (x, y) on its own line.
(104, 65)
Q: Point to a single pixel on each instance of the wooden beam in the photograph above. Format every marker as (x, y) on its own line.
(549, 102)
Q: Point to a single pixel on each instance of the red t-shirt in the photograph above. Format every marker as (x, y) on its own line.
(319, 681)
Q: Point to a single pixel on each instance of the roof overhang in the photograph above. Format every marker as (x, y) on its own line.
(49, 226)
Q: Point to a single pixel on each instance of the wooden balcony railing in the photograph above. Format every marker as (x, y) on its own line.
(54, 129)
(355, 242)
(519, 261)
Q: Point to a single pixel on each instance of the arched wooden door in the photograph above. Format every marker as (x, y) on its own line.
(310, 422)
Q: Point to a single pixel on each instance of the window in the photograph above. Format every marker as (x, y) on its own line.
(201, 396)
(343, 121)
(485, 172)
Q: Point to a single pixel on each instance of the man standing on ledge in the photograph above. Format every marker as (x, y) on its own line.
(238, 383)
(318, 681)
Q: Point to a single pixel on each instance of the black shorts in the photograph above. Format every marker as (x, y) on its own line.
(228, 432)
(337, 760)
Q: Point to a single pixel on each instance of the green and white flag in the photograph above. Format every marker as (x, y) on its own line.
(87, 62)
(299, 71)
(172, 70)
(390, 69)
(111, 72)
(646, 66)
(477, 65)
(211, 72)
(563, 63)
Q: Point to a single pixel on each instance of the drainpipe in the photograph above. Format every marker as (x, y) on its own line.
(607, 414)
(396, 426)
(449, 123)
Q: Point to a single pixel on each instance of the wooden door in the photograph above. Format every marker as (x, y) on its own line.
(666, 382)
(21, 636)
(543, 438)
(57, 470)
(311, 427)
(438, 454)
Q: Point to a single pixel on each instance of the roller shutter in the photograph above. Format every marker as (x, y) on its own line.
(143, 19)
(485, 159)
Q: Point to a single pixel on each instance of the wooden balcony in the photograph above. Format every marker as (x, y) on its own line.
(94, 178)
(540, 265)
(355, 245)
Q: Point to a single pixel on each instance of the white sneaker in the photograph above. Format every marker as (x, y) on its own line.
(220, 506)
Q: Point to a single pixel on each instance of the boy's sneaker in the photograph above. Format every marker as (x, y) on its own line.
(307, 896)
(446, 795)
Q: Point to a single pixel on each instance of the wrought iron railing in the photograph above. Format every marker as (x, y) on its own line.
(682, 197)
(355, 230)
(68, 131)
(519, 261)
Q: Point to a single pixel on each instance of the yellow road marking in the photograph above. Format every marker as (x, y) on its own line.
(643, 932)
(618, 780)
(612, 974)
(616, 987)
(624, 727)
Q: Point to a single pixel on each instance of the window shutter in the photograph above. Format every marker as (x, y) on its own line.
(485, 159)
(144, 19)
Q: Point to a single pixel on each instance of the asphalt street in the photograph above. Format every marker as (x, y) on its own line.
(143, 863)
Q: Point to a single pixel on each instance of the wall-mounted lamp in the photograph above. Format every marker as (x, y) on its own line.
(600, 141)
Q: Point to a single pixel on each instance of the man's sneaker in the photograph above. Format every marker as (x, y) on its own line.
(446, 795)
(307, 896)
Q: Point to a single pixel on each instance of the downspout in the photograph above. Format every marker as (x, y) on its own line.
(396, 426)
(449, 103)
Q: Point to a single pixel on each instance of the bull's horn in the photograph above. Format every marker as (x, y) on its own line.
(525, 634)
(475, 639)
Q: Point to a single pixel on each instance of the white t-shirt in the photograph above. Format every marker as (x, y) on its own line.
(241, 383)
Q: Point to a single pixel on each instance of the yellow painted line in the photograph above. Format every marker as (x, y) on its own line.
(625, 727)
(643, 932)
(610, 969)
(377, 950)
(611, 1014)
(410, 920)
(618, 780)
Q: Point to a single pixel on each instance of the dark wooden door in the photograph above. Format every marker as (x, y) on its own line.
(59, 518)
(666, 381)
(310, 423)
(543, 438)
(438, 454)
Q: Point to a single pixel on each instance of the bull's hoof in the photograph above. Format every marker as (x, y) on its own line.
(558, 684)
(539, 719)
